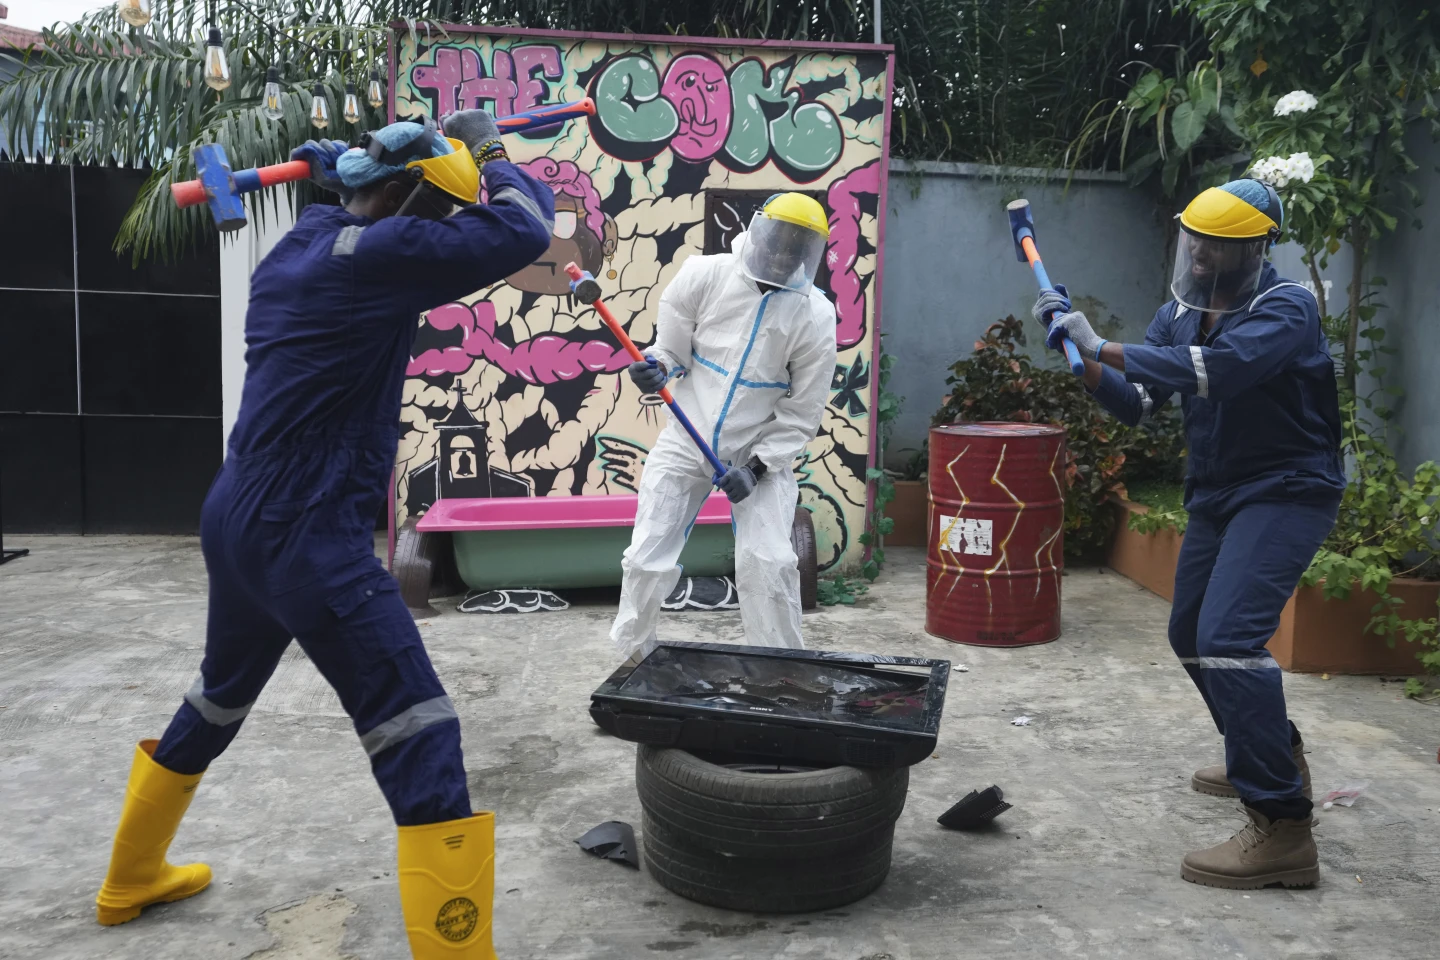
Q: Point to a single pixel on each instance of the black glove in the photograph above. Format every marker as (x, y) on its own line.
(477, 129)
(648, 375)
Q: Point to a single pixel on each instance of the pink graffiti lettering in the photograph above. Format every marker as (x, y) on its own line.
(541, 360)
(843, 250)
(443, 78)
(478, 91)
(700, 92)
(460, 82)
(532, 62)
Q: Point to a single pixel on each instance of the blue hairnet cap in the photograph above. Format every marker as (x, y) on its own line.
(1258, 195)
(358, 167)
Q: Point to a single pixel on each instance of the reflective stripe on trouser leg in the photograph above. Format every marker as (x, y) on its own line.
(674, 488)
(766, 573)
(243, 645)
(1192, 577)
(1264, 548)
(373, 657)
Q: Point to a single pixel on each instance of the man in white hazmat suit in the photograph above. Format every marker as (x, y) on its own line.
(747, 344)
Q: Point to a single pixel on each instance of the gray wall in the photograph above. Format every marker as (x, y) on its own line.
(951, 271)
(1409, 260)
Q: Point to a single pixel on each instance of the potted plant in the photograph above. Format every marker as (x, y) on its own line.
(910, 509)
(1149, 528)
(1368, 602)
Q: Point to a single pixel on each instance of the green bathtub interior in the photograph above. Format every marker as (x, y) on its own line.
(570, 558)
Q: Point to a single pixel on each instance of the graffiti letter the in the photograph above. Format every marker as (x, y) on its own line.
(632, 121)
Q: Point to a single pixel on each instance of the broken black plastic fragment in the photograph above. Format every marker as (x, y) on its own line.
(612, 840)
(978, 807)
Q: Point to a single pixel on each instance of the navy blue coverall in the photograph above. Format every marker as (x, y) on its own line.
(287, 528)
(1265, 477)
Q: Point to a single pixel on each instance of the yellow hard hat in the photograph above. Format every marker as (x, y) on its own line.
(800, 210)
(1219, 212)
(455, 173)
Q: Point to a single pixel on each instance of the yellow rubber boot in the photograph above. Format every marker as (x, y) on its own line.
(447, 888)
(155, 801)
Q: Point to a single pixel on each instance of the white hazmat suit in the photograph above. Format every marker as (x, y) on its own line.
(752, 370)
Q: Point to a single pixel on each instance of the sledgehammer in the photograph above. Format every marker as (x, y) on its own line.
(221, 188)
(587, 290)
(1022, 231)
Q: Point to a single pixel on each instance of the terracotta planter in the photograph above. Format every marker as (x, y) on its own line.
(1147, 558)
(1316, 635)
(1328, 636)
(910, 511)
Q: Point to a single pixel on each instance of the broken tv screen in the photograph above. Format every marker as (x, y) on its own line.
(805, 689)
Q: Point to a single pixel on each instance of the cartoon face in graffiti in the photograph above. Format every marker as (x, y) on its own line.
(583, 233)
(697, 86)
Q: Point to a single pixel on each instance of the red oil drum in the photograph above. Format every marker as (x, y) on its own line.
(996, 543)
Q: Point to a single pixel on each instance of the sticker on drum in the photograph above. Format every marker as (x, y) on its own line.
(964, 535)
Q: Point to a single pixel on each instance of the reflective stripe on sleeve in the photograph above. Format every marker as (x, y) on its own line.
(516, 196)
(345, 242)
(1147, 405)
(1202, 380)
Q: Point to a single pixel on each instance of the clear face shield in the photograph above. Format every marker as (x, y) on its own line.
(782, 254)
(1216, 275)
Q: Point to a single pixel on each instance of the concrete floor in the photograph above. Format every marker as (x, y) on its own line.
(99, 637)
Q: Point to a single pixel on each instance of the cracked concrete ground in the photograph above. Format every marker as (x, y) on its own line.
(99, 637)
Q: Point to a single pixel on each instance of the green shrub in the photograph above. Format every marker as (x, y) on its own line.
(998, 382)
(1386, 529)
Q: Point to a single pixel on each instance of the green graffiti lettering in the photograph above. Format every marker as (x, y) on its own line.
(805, 140)
(632, 116)
(749, 141)
(808, 140)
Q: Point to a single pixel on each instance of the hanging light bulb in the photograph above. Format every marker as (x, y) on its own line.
(319, 108)
(217, 71)
(134, 12)
(351, 113)
(271, 106)
(374, 93)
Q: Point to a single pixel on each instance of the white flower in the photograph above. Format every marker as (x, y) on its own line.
(1296, 101)
(1271, 170)
(1299, 166)
(1279, 171)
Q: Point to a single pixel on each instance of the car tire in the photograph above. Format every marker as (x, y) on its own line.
(736, 811)
(763, 885)
(802, 540)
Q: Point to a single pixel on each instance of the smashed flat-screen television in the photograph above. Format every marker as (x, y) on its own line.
(761, 703)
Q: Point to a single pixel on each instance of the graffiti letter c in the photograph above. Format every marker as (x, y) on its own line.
(632, 121)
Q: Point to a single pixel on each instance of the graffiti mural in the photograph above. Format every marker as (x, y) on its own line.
(519, 390)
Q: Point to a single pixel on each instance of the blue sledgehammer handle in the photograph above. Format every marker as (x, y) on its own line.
(1072, 355)
(715, 463)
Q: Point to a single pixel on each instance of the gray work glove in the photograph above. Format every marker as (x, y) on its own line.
(475, 127)
(648, 375)
(738, 483)
(1055, 301)
(1077, 327)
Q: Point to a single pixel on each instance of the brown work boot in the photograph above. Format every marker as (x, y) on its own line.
(1261, 854)
(1213, 781)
